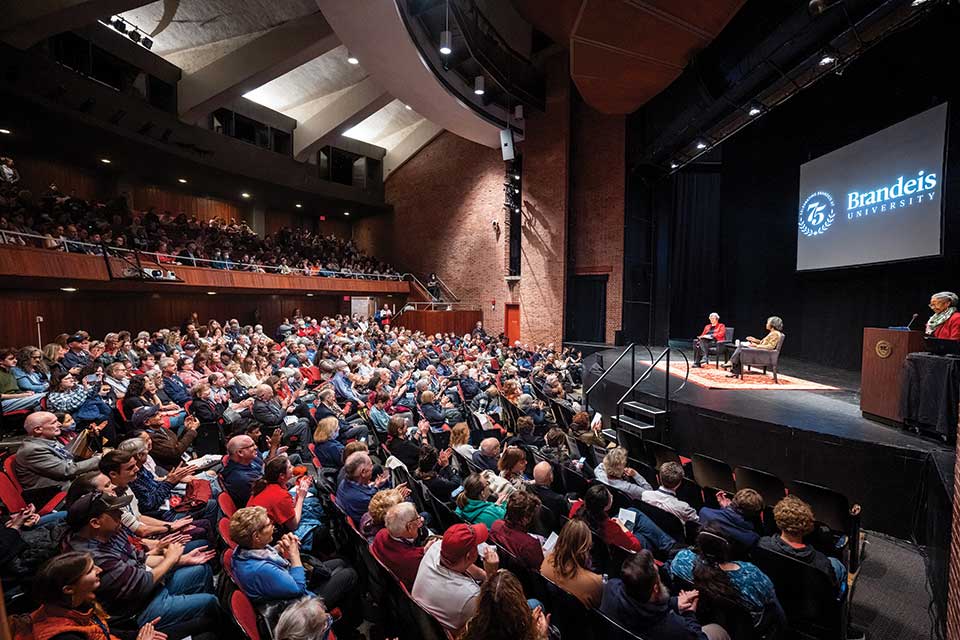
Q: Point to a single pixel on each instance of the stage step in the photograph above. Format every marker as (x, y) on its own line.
(633, 424)
(645, 413)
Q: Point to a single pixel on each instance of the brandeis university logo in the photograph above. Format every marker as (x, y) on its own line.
(816, 214)
(817, 211)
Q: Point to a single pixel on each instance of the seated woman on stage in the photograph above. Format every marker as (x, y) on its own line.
(714, 332)
(769, 342)
(945, 321)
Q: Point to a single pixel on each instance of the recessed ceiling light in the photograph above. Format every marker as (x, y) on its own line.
(917, 3)
(674, 165)
(105, 160)
(211, 293)
(69, 289)
(182, 180)
(309, 295)
(701, 144)
(5, 132)
(352, 59)
(298, 206)
(346, 213)
(827, 59)
(478, 85)
(754, 111)
(244, 195)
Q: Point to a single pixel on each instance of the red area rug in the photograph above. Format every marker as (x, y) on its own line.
(713, 378)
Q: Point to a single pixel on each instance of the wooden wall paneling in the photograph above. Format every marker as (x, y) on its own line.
(142, 197)
(36, 174)
(457, 322)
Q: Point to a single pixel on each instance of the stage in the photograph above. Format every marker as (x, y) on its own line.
(817, 436)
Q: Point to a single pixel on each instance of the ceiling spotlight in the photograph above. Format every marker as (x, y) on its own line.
(478, 83)
(917, 3)
(147, 43)
(298, 206)
(134, 35)
(118, 24)
(245, 195)
(446, 41)
(69, 289)
(408, 107)
(309, 295)
(5, 132)
(346, 213)
(518, 112)
(674, 165)
(352, 59)
(754, 110)
(105, 160)
(828, 58)
(211, 293)
(516, 176)
(182, 180)
(701, 144)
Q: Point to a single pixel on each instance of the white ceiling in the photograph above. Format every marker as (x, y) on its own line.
(383, 124)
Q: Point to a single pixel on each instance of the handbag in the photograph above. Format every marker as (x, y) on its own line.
(198, 494)
(231, 416)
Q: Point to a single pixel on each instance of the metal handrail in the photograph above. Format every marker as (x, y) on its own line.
(447, 289)
(156, 254)
(632, 348)
(646, 374)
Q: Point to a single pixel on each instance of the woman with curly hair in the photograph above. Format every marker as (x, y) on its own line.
(504, 613)
(31, 373)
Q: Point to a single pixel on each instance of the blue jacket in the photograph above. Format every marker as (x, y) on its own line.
(174, 387)
(648, 619)
(35, 381)
(330, 453)
(354, 498)
(267, 576)
(733, 526)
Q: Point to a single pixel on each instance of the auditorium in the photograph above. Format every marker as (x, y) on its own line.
(479, 319)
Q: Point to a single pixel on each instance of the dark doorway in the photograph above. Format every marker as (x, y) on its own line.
(587, 309)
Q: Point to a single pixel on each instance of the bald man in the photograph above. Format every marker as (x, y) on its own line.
(243, 467)
(43, 465)
(487, 456)
(542, 487)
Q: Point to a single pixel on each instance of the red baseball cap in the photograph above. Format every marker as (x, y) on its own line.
(459, 539)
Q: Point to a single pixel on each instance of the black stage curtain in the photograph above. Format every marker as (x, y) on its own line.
(696, 254)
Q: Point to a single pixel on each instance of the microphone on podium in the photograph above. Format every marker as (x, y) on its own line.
(912, 320)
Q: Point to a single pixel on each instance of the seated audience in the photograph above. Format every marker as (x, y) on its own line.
(265, 572)
(460, 440)
(301, 516)
(271, 412)
(142, 392)
(374, 519)
(167, 449)
(175, 388)
(305, 619)
(665, 497)
(403, 448)
(594, 509)
(585, 432)
(511, 465)
(66, 588)
(525, 434)
(734, 519)
(488, 455)
(31, 373)
(615, 472)
(543, 488)
(436, 473)
(710, 568)
(473, 503)
(794, 519)
(358, 487)
(446, 583)
(396, 544)
(639, 602)
(326, 447)
(139, 586)
(568, 565)
(512, 533)
(504, 613)
(43, 465)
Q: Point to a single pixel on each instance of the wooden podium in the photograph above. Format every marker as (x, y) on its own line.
(884, 351)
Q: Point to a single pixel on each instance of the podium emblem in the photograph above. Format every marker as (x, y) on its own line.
(883, 348)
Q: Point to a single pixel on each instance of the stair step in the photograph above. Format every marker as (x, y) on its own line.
(644, 410)
(633, 423)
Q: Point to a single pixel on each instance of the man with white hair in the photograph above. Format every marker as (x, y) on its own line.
(395, 545)
(357, 488)
(713, 333)
(274, 413)
(945, 321)
(43, 466)
(488, 455)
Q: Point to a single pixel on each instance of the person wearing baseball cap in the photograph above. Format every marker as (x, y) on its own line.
(447, 583)
(141, 586)
(77, 356)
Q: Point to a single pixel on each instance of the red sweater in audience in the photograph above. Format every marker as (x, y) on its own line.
(521, 544)
(612, 532)
(400, 556)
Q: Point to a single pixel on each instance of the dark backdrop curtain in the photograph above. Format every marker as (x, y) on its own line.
(696, 278)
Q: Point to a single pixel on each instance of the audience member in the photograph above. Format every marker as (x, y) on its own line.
(794, 518)
(734, 519)
(568, 565)
(615, 472)
(358, 487)
(395, 545)
(488, 455)
(473, 504)
(665, 497)
(512, 533)
(300, 516)
(504, 613)
(44, 466)
(305, 619)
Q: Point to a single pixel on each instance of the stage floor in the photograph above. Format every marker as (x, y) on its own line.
(816, 436)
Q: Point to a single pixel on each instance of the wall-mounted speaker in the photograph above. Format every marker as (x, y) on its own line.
(506, 144)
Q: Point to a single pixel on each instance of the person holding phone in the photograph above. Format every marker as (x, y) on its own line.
(82, 399)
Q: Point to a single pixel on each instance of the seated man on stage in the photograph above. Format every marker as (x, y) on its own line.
(713, 333)
(769, 342)
(945, 321)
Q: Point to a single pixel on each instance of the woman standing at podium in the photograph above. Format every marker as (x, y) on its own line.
(945, 321)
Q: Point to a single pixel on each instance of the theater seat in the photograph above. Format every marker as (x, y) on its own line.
(227, 505)
(12, 493)
(245, 615)
(223, 526)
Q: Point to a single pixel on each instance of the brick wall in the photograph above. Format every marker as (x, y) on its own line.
(597, 202)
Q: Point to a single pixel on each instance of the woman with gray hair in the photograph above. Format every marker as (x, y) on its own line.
(770, 342)
(713, 333)
(945, 321)
(305, 619)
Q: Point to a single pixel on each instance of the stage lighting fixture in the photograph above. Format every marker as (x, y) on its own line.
(516, 176)
(118, 24)
(309, 295)
(69, 289)
(211, 293)
(346, 213)
(182, 180)
(754, 110)
(147, 43)
(674, 165)
(478, 83)
(105, 160)
(6, 132)
(446, 40)
(408, 107)
(245, 195)
(352, 59)
(298, 206)
(917, 3)
(134, 35)
(518, 112)
(828, 58)
(701, 144)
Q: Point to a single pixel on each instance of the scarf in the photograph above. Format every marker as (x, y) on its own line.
(268, 554)
(938, 319)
